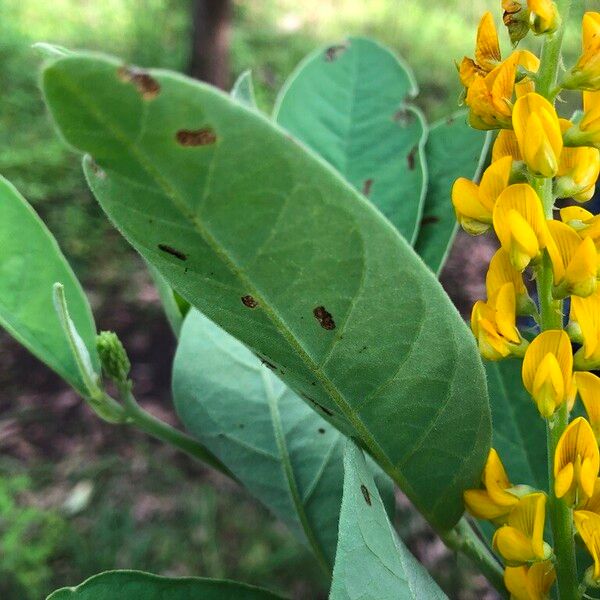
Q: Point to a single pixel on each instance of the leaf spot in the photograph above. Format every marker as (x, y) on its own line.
(315, 403)
(249, 301)
(196, 137)
(321, 430)
(324, 317)
(429, 219)
(172, 251)
(403, 116)
(334, 52)
(96, 169)
(410, 159)
(367, 185)
(365, 493)
(146, 85)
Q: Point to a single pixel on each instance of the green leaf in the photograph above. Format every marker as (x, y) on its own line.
(453, 150)
(30, 264)
(135, 585)
(350, 103)
(371, 562)
(519, 433)
(281, 450)
(243, 90)
(174, 305)
(270, 243)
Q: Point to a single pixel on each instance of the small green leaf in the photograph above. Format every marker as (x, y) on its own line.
(453, 150)
(283, 452)
(350, 103)
(135, 585)
(243, 90)
(371, 562)
(270, 243)
(519, 433)
(30, 264)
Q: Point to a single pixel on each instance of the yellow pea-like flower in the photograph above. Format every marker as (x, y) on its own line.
(577, 173)
(506, 144)
(521, 540)
(494, 325)
(520, 224)
(588, 387)
(586, 313)
(538, 132)
(543, 16)
(587, 131)
(548, 370)
(574, 261)
(474, 204)
(588, 526)
(576, 463)
(487, 52)
(494, 502)
(585, 75)
(593, 502)
(531, 582)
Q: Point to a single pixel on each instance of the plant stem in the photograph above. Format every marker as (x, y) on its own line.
(136, 415)
(462, 538)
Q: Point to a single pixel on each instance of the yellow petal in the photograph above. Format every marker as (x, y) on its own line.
(538, 133)
(593, 503)
(494, 181)
(575, 213)
(582, 269)
(513, 545)
(588, 526)
(588, 386)
(586, 312)
(548, 386)
(496, 481)
(543, 17)
(481, 506)
(487, 51)
(506, 145)
(506, 312)
(540, 578)
(563, 480)
(577, 446)
(557, 343)
(501, 271)
(515, 580)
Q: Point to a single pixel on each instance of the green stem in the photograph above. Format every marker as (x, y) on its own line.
(462, 538)
(136, 415)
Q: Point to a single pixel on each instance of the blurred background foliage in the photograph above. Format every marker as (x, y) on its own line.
(76, 495)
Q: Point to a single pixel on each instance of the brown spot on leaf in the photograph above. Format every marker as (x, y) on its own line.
(403, 116)
(315, 403)
(321, 430)
(249, 301)
(324, 317)
(334, 52)
(410, 159)
(367, 185)
(449, 120)
(196, 137)
(365, 493)
(172, 251)
(429, 219)
(146, 85)
(268, 364)
(96, 169)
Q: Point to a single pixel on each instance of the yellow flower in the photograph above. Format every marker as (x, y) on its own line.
(474, 204)
(583, 222)
(543, 16)
(574, 261)
(547, 370)
(506, 145)
(487, 52)
(520, 224)
(521, 540)
(588, 387)
(585, 75)
(587, 132)
(502, 271)
(586, 313)
(494, 325)
(577, 173)
(588, 526)
(576, 463)
(530, 582)
(538, 133)
(593, 502)
(495, 502)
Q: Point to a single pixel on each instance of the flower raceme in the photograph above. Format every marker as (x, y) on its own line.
(547, 370)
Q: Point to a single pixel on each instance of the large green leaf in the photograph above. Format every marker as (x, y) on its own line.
(135, 585)
(453, 150)
(350, 103)
(371, 562)
(270, 243)
(519, 433)
(30, 264)
(280, 449)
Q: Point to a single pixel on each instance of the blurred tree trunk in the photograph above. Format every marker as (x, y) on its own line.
(211, 28)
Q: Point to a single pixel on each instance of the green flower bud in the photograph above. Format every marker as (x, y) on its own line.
(113, 357)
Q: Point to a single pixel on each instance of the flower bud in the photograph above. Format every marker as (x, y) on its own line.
(113, 357)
